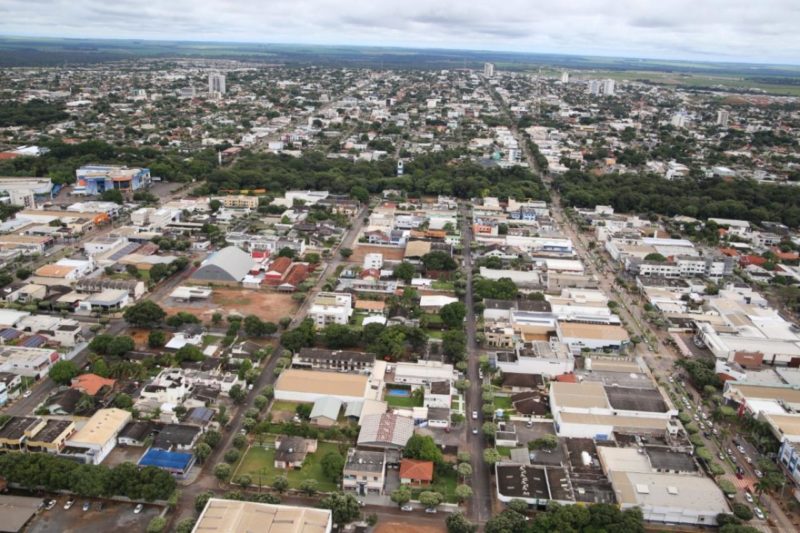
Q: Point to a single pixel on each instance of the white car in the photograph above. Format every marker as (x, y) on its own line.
(474, 415)
(27, 393)
(69, 504)
(758, 513)
(138, 509)
(741, 449)
(759, 474)
(474, 431)
(407, 508)
(748, 497)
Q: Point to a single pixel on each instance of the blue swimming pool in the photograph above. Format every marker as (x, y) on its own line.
(398, 392)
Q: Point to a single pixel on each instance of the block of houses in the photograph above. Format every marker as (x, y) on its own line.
(416, 473)
(290, 452)
(364, 472)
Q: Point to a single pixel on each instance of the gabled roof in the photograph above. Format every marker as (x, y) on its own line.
(228, 264)
(328, 407)
(385, 430)
(91, 383)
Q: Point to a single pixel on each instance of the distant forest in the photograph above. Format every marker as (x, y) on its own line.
(701, 198)
(33, 113)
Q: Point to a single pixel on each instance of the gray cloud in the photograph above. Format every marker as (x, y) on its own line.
(732, 30)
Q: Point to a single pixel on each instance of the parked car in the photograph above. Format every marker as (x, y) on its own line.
(474, 431)
(138, 509)
(69, 503)
(430, 510)
(741, 449)
(27, 393)
(407, 508)
(749, 461)
(759, 513)
(49, 504)
(759, 474)
(474, 415)
(748, 497)
(721, 456)
(86, 506)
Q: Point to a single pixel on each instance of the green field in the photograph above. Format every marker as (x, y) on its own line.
(281, 405)
(503, 402)
(261, 461)
(444, 483)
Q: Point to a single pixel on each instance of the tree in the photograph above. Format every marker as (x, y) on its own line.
(506, 522)
(144, 314)
(112, 195)
(656, 257)
(156, 339)
(742, 511)
(23, 273)
(463, 493)
(309, 486)
(344, 508)
(280, 483)
(255, 327)
(62, 372)
(489, 429)
(202, 451)
(222, 471)
(213, 437)
(423, 448)
(120, 345)
(123, 401)
(454, 345)
(401, 495)
(439, 261)
(345, 252)
(337, 336)
(453, 314)
(190, 353)
(546, 442)
(237, 394)
(359, 193)
(404, 271)
(518, 505)
(332, 466)
(157, 524)
(214, 205)
(464, 470)
(458, 523)
(244, 481)
(491, 456)
(501, 289)
(430, 499)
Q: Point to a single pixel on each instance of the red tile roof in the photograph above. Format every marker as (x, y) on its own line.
(91, 383)
(416, 470)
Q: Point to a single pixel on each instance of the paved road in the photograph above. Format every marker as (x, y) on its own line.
(481, 504)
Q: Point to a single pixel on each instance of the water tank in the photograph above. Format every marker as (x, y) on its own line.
(586, 458)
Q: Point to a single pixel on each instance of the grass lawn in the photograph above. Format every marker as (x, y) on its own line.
(504, 450)
(503, 402)
(444, 483)
(281, 405)
(211, 339)
(260, 459)
(403, 401)
(441, 285)
(434, 333)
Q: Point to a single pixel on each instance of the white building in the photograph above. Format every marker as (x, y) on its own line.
(488, 70)
(373, 261)
(99, 435)
(216, 83)
(331, 308)
(423, 372)
(549, 359)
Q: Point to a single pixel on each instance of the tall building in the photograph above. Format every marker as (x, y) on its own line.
(604, 87)
(722, 117)
(488, 70)
(594, 87)
(565, 77)
(609, 86)
(216, 83)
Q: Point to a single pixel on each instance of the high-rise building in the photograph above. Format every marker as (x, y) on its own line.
(216, 83)
(680, 120)
(604, 87)
(565, 77)
(488, 70)
(722, 117)
(609, 86)
(594, 87)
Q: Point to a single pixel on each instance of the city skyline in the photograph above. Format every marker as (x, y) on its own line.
(715, 31)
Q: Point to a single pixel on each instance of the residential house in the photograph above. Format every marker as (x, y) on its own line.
(416, 473)
(290, 452)
(364, 472)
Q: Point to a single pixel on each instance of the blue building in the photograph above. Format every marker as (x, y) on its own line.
(96, 179)
(176, 463)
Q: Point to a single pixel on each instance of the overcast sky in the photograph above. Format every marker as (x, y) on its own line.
(726, 30)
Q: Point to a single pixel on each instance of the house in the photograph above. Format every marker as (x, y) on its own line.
(432, 303)
(364, 472)
(290, 452)
(416, 473)
(66, 269)
(325, 412)
(13, 431)
(180, 437)
(176, 463)
(91, 384)
(49, 435)
(95, 440)
(136, 433)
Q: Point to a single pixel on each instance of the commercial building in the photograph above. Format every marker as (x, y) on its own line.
(364, 472)
(234, 516)
(176, 463)
(309, 386)
(95, 440)
(28, 362)
(385, 431)
(423, 373)
(238, 201)
(548, 359)
(96, 179)
(227, 266)
(488, 70)
(27, 192)
(48, 435)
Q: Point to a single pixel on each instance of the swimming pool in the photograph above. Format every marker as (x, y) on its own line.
(398, 392)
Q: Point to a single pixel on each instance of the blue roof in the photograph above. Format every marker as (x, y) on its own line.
(165, 459)
(34, 341)
(9, 334)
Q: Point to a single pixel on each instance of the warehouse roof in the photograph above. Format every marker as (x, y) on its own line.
(328, 383)
(584, 395)
(386, 430)
(232, 516)
(104, 425)
(228, 264)
(668, 491)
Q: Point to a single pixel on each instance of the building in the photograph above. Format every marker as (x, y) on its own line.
(239, 201)
(95, 440)
(28, 362)
(423, 373)
(26, 192)
(488, 70)
(216, 83)
(92, 384)
(331, 308)
(373, 261)
(234, 516)
(579, 336)
(385, 431)
(17, 511)
(540, 357)
(309, 386)
(325, 412)
(227, 266)
(176, 463)
(364, 472)
(789, 458)
(290, 452)
(14, 431)
(96, 179)
(723, 115)
(416, 473)
(339, 360)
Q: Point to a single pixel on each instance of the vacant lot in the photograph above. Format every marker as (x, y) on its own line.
(261, 461)
(390, 253)
(268, 306)
(410, 525)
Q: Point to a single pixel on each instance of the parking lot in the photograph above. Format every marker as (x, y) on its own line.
(114, 517)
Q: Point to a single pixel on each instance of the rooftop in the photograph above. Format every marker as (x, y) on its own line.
(103, 426)
(328, 383)
(233, 516)
(416, 470)
(630, 399)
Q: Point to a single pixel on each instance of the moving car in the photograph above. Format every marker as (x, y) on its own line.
(430, 510)
(406, 508)
(27, 393)
(474, 431)
(474, 415)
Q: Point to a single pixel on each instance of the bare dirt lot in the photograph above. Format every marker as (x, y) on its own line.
(406, 527)
(390, 253)
(266, 305)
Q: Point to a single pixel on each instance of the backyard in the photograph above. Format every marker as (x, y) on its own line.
(444, 483)
(402, 396)
(259, 464)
